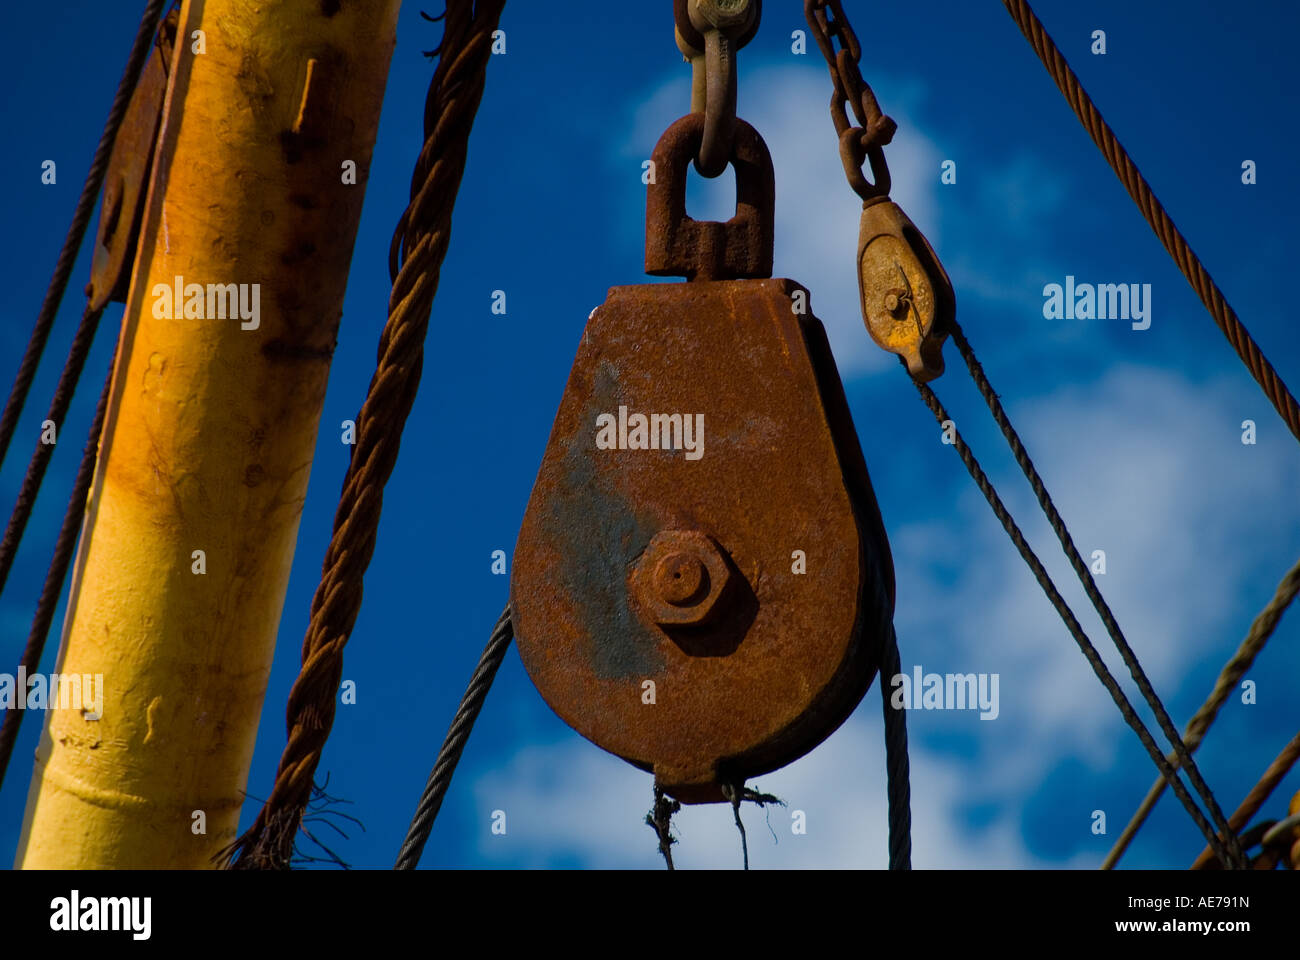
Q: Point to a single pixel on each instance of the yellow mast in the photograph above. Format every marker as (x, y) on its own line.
(271, 115)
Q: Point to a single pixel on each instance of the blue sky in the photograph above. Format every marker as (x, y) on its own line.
(1137, 433)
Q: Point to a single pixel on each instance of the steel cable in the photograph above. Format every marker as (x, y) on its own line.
(140, 50)
(453, 745)
(419, 246)
(40, 460)
(1071, 622)
(471, 704)
(64, 548)
(897, 764)
(1260, 631)
(1180, 749)
(1154, 212)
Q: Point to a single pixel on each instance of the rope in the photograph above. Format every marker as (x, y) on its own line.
(1155, 214)
(896, 763)
(660, 819)
(40, 460)
(1274, 775)
(737, 793)
(140, 50)
(64, 548)
(1071, 622)
(1181, 751)
(415, 262)
(734, 797)
(1280, 831)
(1199, 725)
(453, 745)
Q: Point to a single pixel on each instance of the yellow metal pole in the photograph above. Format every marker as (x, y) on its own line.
(272, 111)
(1294, 810)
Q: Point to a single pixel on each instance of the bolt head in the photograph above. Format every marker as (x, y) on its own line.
(681, 578)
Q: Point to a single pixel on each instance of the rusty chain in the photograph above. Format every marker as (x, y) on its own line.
(864, 142)
(709, 34)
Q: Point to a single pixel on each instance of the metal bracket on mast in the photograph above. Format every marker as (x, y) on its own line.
(126, 185)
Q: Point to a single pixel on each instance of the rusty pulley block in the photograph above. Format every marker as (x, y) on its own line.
(702, 583)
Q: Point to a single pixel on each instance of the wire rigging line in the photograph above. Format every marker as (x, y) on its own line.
(1260, 632)
(453, 745)
(140, 50)
(1181, 751)
(40, 460)
(897, 764)
(1071, 622)
(736, 794)
(1276, 772)
(415, 261)
(660, 819)
(734, 797)
(64, 548)
(1154, 212)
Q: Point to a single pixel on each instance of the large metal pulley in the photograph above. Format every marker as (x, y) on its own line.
(702, 583)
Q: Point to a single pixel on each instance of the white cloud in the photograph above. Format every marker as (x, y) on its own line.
(1148, 467)
(571, 800)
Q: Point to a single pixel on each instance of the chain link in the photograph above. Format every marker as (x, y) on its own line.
(864, 142)
(709, 35)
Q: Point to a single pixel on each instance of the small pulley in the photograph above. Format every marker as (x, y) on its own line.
(907, 299)
(702, 583)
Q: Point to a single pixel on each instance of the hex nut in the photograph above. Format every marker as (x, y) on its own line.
(680, 578)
